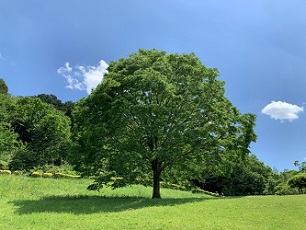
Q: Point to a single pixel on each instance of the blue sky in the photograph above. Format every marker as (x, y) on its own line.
(63, 47)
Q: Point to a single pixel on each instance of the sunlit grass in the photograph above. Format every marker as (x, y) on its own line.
(38, 203)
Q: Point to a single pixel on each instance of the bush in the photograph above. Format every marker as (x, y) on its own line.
(116, 178)
(17, 172)
(47, 175)
(62, 175)
(63, 169)
(36, 174)
(5, 171)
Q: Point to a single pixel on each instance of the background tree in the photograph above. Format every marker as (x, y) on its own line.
(44, 131)
(281, 185)
(298, 181)
(156, 113)
(236, 176)
(301, 166)
(66, 107)
(9, 144)
(274, 179)
(3, 87)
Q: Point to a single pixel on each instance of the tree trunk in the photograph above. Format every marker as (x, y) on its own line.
(156, 166)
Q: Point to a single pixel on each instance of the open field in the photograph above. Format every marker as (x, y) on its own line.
(40, 203)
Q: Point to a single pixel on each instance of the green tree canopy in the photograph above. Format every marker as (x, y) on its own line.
(8, 138)
(43, 129)
(66, 107)
(236, 176)
(298, 181)
(3, 87)
(156, 113)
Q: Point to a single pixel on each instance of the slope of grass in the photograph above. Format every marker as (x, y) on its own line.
(38, 203)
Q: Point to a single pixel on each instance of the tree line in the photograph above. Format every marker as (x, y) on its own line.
(154, 117)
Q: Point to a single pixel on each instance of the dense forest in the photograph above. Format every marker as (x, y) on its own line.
(142, 125)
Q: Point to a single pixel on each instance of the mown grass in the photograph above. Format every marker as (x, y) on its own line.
(41, 203)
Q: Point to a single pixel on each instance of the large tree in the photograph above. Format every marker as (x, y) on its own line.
(156, 113)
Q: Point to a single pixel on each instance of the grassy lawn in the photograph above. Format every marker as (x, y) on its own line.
(41, 203)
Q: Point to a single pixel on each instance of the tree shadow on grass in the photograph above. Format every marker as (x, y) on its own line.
(93, 204)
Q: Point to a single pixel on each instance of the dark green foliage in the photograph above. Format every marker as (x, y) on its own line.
(66, 107)
(52, 100)
(240, 176)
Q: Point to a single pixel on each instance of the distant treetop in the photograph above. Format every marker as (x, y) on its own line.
(3, 87)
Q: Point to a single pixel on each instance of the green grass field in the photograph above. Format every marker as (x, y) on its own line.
(40, 203)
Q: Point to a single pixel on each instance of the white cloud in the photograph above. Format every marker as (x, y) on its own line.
(83, 78)
(1, 57)
(64, 70)
(280, 110)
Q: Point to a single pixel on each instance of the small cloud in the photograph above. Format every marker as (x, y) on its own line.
(280, 110)
(83, 77)
(1, 57)
(64, 70)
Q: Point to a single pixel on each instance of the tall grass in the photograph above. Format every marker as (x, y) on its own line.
(40, 203)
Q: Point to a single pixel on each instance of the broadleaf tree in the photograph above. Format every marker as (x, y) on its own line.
(9, 143)
(3, 87)
(155, 114)
(44, 130)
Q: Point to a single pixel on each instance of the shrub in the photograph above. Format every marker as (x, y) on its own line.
(17, 172)
(198, 190)
(47, 175)
(63, 168)
(5, 171)
(116, 178)
(36, 174)
(62, 175)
